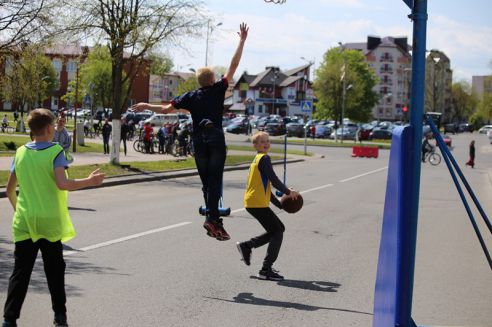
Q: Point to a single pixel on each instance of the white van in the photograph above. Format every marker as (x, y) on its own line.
(158, 120)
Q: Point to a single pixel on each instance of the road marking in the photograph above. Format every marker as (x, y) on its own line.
(157, 230)
(126, 238)
(362, 175)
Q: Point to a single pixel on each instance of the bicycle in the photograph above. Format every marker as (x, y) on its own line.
(432, 157)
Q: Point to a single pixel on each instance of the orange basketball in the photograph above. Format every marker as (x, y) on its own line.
(290, 205)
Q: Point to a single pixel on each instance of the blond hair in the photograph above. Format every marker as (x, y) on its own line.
(205, 76)
(257, 135)
(39, 119)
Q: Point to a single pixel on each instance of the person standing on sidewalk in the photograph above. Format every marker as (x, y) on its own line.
(471, 161)
(39, 170)
(206, 106)
(106, 133)
(63, 138)
(125, 129)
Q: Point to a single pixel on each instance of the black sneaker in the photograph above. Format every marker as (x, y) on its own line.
(245, 252)
(60, 320)
(7, 323)
(269, 274)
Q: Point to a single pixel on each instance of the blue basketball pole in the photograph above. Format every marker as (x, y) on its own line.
(394, 281)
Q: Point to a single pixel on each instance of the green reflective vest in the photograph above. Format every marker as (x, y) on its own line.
(41, 210)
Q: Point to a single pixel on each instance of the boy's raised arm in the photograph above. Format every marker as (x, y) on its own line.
(94, 179)
(243, 34)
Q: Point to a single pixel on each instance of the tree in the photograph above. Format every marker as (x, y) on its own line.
(359, 82)
(188, 85)
(464, 102)
(24, 20)
(484, 108)
(132, 28)
(160, 64)
(29, 78)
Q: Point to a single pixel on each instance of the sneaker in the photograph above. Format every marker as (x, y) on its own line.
(270, 274)
(211, 229)
(7, 323)
(245, 252)
(60, 320)
(221, 234)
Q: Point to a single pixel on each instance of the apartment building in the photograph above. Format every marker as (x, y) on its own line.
(391, 60)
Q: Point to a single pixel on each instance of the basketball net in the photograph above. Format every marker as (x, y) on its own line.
(276, 1)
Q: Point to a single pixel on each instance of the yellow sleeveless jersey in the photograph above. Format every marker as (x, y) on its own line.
(258, 189)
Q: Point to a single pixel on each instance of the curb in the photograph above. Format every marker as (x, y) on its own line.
(156, 176)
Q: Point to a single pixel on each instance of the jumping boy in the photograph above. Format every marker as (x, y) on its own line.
(256, 201)
(206, 106)
(41, 220)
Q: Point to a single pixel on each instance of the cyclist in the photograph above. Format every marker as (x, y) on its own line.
(426, 146)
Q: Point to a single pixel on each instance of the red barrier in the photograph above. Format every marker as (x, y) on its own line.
(365, 151)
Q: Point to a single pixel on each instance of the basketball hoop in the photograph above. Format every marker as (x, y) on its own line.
(276, 1)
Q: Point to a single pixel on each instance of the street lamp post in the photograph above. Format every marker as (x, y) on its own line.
(434, 84)
(210, 29)
(274, 79)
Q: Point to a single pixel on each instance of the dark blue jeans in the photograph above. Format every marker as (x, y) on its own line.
(210, 155)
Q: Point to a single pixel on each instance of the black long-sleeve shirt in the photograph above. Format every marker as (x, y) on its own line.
(266, 169)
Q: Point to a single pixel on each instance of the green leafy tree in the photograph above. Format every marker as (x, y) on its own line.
(359, 81)
(29, 78)
(464, 101)
(160, 64)
(132, 28)
(484, 108)
(189, 85)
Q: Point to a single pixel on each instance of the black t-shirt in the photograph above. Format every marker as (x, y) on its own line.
(204, 103)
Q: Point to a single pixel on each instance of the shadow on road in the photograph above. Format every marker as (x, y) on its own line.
(38, 282)
(308, 285)
(81, 209)
(249, 298)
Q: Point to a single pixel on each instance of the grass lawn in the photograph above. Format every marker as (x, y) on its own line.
(382, 144)
(9, 143)
(142, 166)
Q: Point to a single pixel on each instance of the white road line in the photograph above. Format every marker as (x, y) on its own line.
(157, 230)
(362, 175)
(126, 238)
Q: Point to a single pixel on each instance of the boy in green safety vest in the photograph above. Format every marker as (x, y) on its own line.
(41, 220)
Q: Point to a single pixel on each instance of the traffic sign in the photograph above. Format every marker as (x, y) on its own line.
(306, 106)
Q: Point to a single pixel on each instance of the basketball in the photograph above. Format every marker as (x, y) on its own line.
(290, 205)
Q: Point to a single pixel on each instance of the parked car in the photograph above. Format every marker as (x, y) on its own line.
(347, 133)
(380, 134)
(450, 128)
(295, 129)
(322, 131)
(485, 129)
(275, 129)
(236, 127)
(464, 127)
(160, 119)
(489, 135)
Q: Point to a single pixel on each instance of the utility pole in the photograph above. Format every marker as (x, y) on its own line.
(74, 144)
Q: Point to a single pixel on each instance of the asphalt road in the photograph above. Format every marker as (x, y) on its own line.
(141, 257)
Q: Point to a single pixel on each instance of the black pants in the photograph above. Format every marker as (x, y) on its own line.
(273, 236)
(106, 144)
(123, 139)
(210, 155)
(54, 267)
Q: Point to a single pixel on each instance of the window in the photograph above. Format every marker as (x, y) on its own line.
(72, 66)
(57, 65)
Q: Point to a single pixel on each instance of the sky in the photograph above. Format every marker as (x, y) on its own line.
(280, 35)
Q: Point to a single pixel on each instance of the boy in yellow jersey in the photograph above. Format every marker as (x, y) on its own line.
(256, 201)
(41, 220)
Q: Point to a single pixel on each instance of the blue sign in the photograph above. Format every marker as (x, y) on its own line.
(306, 106)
